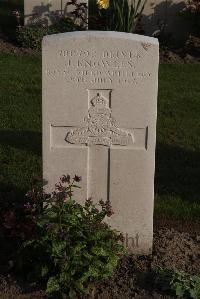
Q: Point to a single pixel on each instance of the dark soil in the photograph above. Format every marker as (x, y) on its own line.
(134, 278)
(8, 46)
(189, 53)
(174, 248)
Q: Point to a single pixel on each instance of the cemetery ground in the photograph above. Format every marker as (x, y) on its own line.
(177, 206)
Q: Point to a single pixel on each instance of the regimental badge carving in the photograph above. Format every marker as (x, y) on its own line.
(101, 127)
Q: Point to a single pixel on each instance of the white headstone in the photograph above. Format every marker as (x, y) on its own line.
(47, 11)
(99, 122)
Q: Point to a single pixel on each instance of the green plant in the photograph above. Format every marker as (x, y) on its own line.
(75, 247)
(31, 36)
(179, 283)
(119, 15)
(126, 14)
(79, 13)
(185, 285)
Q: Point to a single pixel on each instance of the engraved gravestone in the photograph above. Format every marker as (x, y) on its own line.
(99, 121)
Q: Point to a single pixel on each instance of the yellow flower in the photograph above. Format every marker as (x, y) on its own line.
(103, 4)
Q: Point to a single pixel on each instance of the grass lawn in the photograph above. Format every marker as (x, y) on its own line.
(20, 121)
(178, 142)
(178, 133)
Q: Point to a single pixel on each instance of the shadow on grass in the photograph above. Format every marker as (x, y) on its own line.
(177, 169)
(27, 142)
(177, 172)
(11, 197)
(23, 140)
(13, 192)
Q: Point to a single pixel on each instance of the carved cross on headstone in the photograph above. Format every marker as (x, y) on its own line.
(99, 122)
(100, 135)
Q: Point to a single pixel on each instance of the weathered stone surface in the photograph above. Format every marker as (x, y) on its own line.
(99, 121)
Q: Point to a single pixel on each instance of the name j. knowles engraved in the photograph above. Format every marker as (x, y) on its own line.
(94, 63)
(101, 128)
